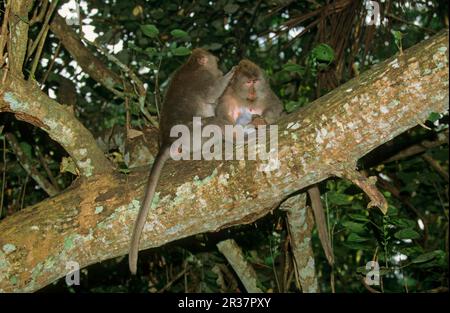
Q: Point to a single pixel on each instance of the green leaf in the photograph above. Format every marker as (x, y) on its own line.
(150, 30)
(181, 51)
(397, 35)
(230, 8)
(354, 227)
(151, 51)
(291, 106)
(403, 222)
(178, 33)
(213, 46)
(425, 257)
(407, 233)
(356, 238)
(292, 67)
(433, 117)
(358, 217)
(339, 198)
(323, 52)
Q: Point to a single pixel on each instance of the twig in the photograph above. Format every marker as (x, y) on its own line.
(44, 28)
(37, 56)
(29, 167)
(170, 283)
(39, 13)
(141, 92)
(372, 290)
(436, 166)
(47, 169)
(24, 189)
(428, 30)
(50, 66)
(275, 274)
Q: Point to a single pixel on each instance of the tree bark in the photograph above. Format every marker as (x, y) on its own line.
(92, 220)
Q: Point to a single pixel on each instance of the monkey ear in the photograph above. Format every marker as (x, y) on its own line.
(202, 60)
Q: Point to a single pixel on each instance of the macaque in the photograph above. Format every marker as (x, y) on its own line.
(248, 100)
(193, 91)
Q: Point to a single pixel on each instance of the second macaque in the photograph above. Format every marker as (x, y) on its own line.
(248, 98)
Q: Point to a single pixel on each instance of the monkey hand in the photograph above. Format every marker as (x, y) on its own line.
(258, 120)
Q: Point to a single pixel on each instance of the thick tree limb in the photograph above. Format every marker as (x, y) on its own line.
(92, 221)
(29, 103)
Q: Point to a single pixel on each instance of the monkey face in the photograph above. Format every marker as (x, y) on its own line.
(251, 85)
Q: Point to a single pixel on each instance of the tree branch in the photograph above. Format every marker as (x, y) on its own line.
(30, 104)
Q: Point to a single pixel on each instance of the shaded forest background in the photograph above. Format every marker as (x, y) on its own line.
(307, 48)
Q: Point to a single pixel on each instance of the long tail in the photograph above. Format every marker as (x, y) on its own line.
(155, 173)
(319, 216)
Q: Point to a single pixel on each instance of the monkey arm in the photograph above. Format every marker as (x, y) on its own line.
(219, 87)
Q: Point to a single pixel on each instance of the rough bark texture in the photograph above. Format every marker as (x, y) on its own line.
(30, 104)
(92, 221)
(301, 222)
(246, 273)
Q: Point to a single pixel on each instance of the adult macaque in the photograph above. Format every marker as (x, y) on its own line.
(193, 91)
(248, 100)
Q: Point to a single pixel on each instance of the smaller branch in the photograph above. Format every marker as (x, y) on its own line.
(300, 224)
(50, 66)
(442, 138)
(24, 189)
(39, 13)
(140, 89)
(29, 167)
(428, 30)
(436, 166)
(372, 290)
(47, 169)
(170, 283)
(243, 269)
(37, 56)
(44, 28)
(367, 184)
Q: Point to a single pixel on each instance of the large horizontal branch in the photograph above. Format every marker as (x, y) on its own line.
(30, 104)
(92, 221)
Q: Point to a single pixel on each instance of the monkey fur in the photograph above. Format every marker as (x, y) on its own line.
(193, 91)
